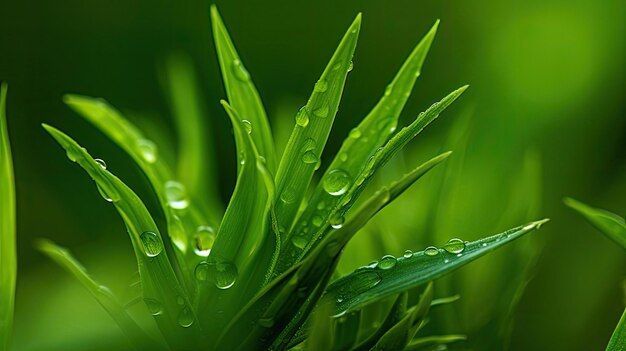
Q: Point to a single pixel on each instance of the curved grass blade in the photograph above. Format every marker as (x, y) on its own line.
(346, 331)
(612, 225)
(163, 293)
(399, 336)
(241, 257)
(618, 339)
(8, 254)
(196, 156)
(395, 315)
(313, 124)
(321, 335)
(371, 133)
(337, 212)
(368, 284)
(101, 293)
(434, 340)
(241, 92)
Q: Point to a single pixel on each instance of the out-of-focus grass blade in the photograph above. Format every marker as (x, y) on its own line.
(101, 293)
(241, 92)
(396, 313)
(608, 223)
(321, 334)
(197, 167)
(166, 298)
(346, 331)
(424, 343)
(370, 134)
(313, 124)
(399, 336)
(8, 254)
(329, 215)
(370, 283)
(233, 267)
(618, 339)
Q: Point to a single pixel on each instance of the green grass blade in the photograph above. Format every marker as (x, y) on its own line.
(346, 331)
(162, 289)
(241, 92)
(197, 167)
(373, 131)
(618, 339)
(313, 124)
(399, 336)
(336, 210)
(370, 283)
(101, 293)
(612, 225)
(8, 254)
(321, 335)
(396, 313)
(434, 340)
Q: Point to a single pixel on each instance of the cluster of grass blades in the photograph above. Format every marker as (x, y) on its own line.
(8, 255)
(614, 227)
(261, 273)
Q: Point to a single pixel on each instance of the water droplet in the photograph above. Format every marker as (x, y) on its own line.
(321, 86)
(176, 195)
(223, 274)
(203, 240)
(321, 111)
(431, 251)
(73, 156)
(101, 163)
(336, 182)
(337, 221)
(483, 244)
(408, 254)
(309, 157)
(299, 241)
(343, 157)
(154, 306)
(185, 317)
(105, 195)
(355, 133)
(387, 262)
(317, 221)
(176, 231)
(266, 322)
(302, 117)
(202, 271)
(247, 126)
(240, 71)
(180, 300)
(321, 205)
(148, 150)
(152, 245)
(388, 90)
(351, 66)
(454, 246)
(288, 195)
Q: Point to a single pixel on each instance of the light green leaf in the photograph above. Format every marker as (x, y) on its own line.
(395, 315)
(433, 340)
(313, 124)
(162, 289)
(618, 339)
(241, 92)
(368, 284)
(101, 293)
(8, 254)
(612, 225)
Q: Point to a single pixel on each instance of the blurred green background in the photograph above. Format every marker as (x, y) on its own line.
(543, 119)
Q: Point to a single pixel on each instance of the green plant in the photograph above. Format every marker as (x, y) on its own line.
(264, 269)
(614, 227)
(8, 255)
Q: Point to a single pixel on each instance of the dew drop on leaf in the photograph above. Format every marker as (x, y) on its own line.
(176, 232)
(387, 262)
(321, 86)
(337, 221)
(154, 306)
(222, 274)
(240, 71)
(336, 182)
(247, 125)
(185, 317)
(203, 240)
(266, 322)
(431, 251)
(202, 271)
(299, 241)
(302, 117)
(288, 195)
(148, 150)
(101, 163)
(176, 195)
(351, 66)
(454, 246)
(321, 111)
(355, 133)
(408, 254)
(309, 157)
(151, 242)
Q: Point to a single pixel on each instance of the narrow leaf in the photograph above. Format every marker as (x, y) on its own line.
(434, 340)
(618, 339)
(612, 225)
(8, 254)
(241, 92)
(101, 293)
(368, 284)
(313, 124)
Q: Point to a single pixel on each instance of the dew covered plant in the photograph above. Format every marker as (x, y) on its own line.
(260, 272)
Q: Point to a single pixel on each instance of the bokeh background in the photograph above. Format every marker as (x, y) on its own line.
(543, 119)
